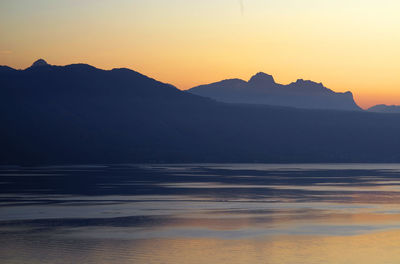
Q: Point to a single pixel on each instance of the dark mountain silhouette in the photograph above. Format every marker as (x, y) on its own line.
(39, 63)
(6, 69)
(385, 109)
(262, 89)
(78, 114)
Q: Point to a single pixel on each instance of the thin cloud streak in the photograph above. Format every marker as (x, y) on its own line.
(241, 7)
(5, 52)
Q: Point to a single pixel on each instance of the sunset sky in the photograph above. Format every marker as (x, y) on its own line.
(345, 44)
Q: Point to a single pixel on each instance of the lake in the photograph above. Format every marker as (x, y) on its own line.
(201, 213)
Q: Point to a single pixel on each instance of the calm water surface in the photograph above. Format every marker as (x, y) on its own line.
(201, 213)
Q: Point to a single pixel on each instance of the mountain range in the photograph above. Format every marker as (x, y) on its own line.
(395, 109)
(262, 89)
(79, 114)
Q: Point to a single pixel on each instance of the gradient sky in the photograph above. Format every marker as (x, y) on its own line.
(346, 44)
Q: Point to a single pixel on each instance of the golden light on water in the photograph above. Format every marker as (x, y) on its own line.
(372, 248)
(310, 213)
(369, 248)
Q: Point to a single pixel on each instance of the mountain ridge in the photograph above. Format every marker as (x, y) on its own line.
(383, 108)
(262, 89)
(78, 114)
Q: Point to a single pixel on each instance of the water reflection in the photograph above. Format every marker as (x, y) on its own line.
(201, 213)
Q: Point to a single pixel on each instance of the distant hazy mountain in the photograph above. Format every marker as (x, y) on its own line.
(262, 89)
(385, 108)
(78, 114)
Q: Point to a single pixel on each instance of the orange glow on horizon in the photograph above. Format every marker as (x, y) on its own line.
(345, 44)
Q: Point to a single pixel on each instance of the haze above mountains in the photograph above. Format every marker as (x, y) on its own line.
(80, 114)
